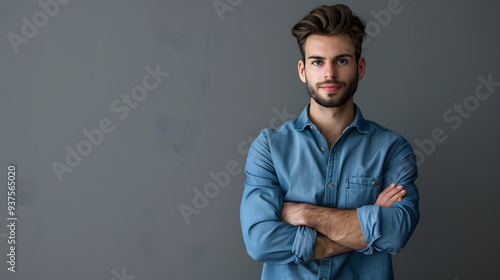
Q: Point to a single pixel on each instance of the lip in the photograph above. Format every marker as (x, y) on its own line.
(331, 87)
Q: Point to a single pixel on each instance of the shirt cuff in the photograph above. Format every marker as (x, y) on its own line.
(303, 245)
(369, 219)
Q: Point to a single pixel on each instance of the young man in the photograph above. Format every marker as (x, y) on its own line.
(329, 195)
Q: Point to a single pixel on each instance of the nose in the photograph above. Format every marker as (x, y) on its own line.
(330, 73)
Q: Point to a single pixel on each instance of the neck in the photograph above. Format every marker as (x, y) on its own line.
(332, 120)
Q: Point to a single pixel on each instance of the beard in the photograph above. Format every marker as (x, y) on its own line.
(349, 90)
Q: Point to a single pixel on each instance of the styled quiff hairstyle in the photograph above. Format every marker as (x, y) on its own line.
(329, 21)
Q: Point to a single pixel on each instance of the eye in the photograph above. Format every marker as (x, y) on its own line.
(342, 61)
(317, 62)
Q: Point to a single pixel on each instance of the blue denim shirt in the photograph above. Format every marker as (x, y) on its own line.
(294, 163)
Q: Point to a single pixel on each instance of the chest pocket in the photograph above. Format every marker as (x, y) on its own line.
(362, 191)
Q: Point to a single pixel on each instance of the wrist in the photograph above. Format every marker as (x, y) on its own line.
(307, 215)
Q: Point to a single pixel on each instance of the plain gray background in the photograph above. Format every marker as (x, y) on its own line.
(116, 215)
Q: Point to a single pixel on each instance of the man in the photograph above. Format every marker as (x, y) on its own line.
(329, 195)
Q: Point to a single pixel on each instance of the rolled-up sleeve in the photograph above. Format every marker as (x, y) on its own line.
(387, 229)
(267, 238)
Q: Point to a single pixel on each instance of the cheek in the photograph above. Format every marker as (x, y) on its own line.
(348, 74)
(312, 75)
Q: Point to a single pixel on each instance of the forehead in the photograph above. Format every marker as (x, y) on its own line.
(328, 46)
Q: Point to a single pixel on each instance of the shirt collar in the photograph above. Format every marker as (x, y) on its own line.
(303, 120)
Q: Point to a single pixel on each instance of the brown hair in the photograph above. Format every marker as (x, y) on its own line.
(328, 21)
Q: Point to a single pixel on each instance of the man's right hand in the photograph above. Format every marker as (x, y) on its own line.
(390, 195)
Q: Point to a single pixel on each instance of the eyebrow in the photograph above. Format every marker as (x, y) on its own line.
(336, 57)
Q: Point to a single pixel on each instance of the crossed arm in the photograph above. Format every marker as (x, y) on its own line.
(268, 223)
(339, 230)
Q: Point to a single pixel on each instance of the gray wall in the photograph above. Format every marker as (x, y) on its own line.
(116, 214)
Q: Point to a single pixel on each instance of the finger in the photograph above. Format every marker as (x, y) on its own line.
(396, 197)
(394, 191)
(388, 189)
(399, 193)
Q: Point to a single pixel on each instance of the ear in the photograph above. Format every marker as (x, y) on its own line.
(361, 68)
(302, 71)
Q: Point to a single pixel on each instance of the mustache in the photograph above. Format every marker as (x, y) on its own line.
(318, 85)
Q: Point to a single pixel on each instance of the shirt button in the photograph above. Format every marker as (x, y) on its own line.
(330, 185)
(323, 278)
(373, 183)
(311, 127)
(323, 148)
